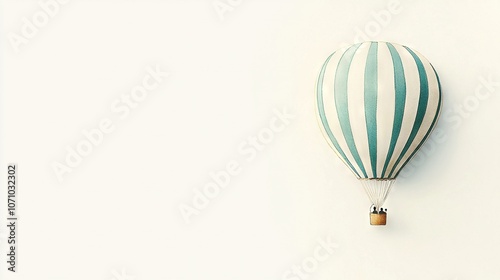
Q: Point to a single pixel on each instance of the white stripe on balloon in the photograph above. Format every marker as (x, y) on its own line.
(432, 107)
(411, 104)
(385, 105)
(356, 104)
(331, 111)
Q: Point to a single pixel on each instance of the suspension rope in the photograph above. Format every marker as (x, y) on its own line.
(377, 190)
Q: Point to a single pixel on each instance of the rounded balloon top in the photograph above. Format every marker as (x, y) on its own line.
(377, 103)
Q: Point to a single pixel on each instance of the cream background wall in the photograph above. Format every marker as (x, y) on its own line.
(218, 170)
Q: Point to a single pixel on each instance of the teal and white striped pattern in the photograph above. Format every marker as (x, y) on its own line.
(377, 104)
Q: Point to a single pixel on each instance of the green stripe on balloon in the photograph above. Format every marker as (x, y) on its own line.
(422, 106)
(324, 121)
(342, 104)
(370, 96)
(436, 116)
(400, 101)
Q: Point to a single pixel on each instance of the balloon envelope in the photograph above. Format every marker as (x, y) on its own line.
(377, 103)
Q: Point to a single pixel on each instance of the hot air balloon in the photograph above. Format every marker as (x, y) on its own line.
(377, 103)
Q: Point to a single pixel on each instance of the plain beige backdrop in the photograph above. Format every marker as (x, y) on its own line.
(219, 170)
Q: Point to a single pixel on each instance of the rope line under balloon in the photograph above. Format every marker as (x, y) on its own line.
(377, 190)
